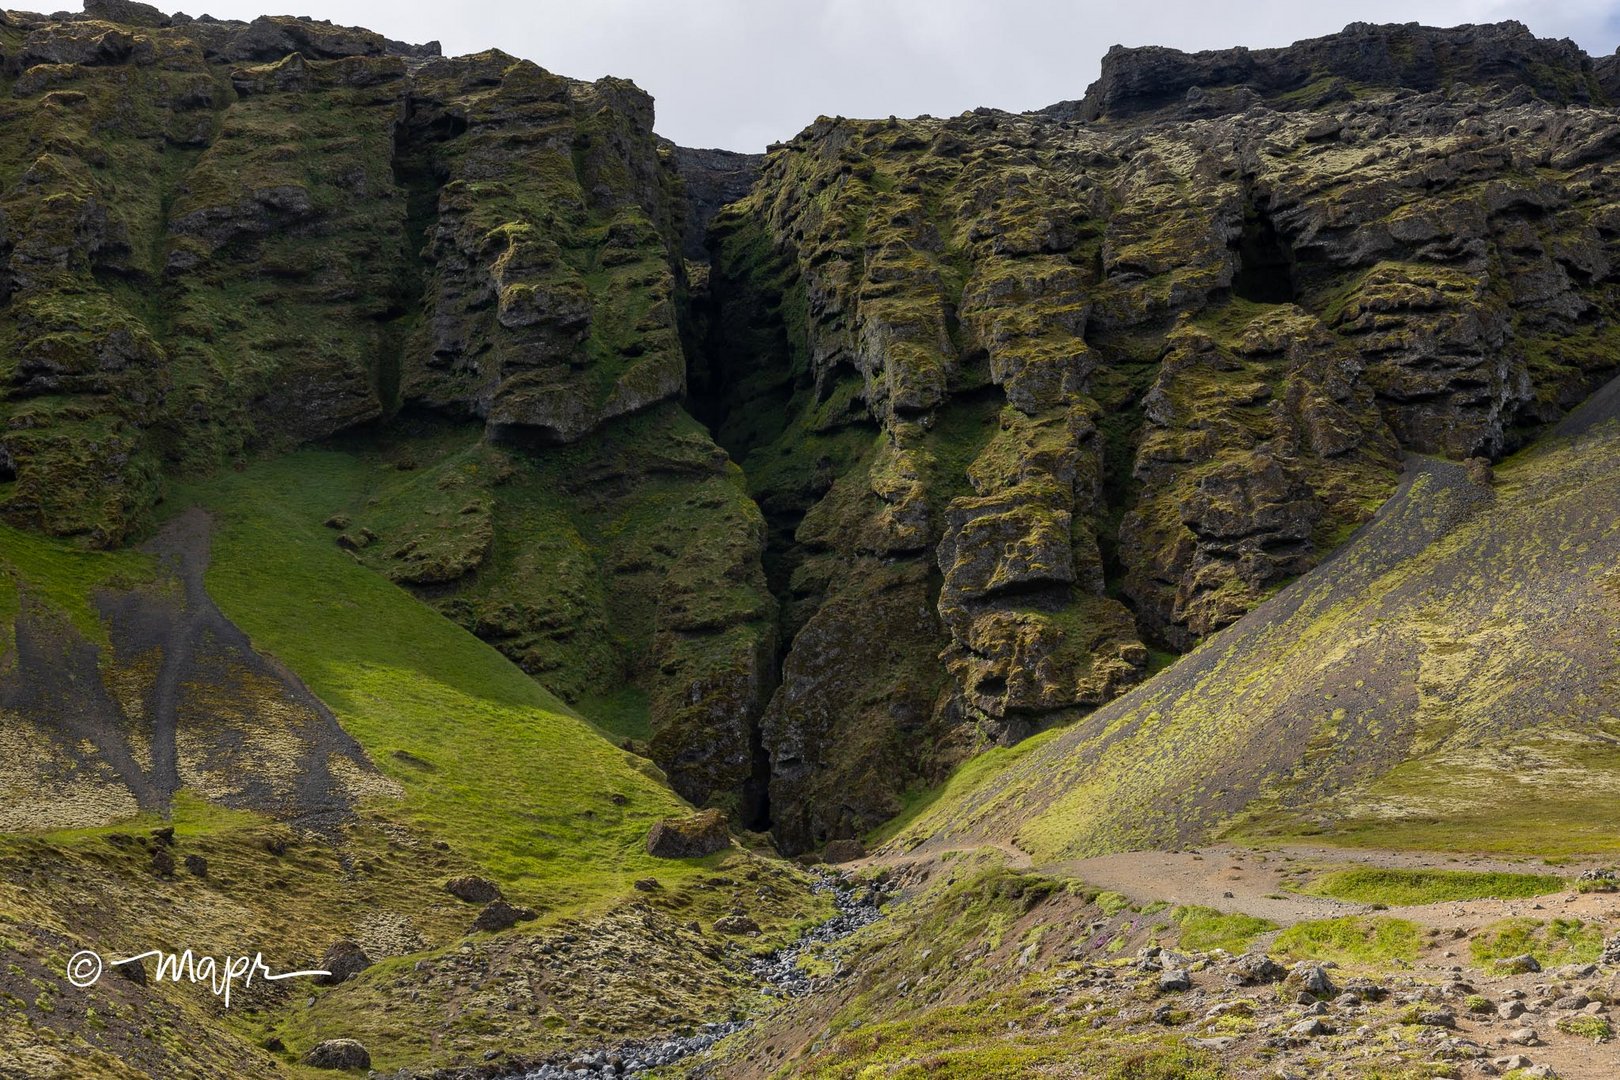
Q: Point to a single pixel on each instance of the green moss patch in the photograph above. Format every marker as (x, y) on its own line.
(1203, 929)
(1400, 887)
(1355, 940)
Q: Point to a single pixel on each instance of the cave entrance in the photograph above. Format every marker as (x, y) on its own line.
(1265, 266)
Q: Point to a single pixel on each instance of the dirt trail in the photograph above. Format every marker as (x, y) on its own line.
(1250, 881)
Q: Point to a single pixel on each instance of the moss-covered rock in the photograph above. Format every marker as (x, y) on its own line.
(1118, 382)
(211, 232)
(689, 837)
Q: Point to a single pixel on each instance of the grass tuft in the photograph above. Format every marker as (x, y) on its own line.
(1401, 887)
(1204, 929)
(1559, 941)
(1354, 940)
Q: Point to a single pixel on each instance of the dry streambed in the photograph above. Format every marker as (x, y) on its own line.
(781, 974)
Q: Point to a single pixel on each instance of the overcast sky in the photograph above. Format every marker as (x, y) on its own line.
(742, 73)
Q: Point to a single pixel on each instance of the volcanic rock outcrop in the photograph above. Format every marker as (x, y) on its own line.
(1023, 404)
(1044, 393)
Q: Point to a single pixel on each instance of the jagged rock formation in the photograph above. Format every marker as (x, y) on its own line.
(1323, 70)
(182, 195)
(224, 237)
(1019, 400)
(1442, 683)
(550, 292)
(711, 179)
(1044, 393)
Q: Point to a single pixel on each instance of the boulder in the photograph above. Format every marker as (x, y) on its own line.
(499, 915)
(735, 924)
(343, 960)
(689, 837)
(1312, 979)
(1175, 980)
(338, 1054)
(1255, 968)
(1444, 1018)
(473, 889)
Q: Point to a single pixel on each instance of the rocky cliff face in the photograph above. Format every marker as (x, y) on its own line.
(225, 238)
(219, 236)
(1319, 71)
(1045, 393)
(1022, 403)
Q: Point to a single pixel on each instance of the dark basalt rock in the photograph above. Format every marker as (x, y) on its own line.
(1363, 55)
(499, 915)
(342, 961)
(710, 179)
(473, 889)
(126, 13)
(690, 837)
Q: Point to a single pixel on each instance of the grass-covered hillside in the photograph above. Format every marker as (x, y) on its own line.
(463, 765)
(1444, 682)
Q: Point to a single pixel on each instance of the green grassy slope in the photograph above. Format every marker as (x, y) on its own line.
(484, 772)
(526, 785)
(1442, 683)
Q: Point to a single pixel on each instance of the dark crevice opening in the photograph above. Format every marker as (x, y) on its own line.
(419, 176)
(756, 790)
(1264, 272)
(739, 384)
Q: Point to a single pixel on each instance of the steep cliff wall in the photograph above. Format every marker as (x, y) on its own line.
(1025, 398)
(220, 239)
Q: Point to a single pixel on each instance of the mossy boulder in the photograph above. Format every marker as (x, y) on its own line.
(338, 1054)
(690, 837)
